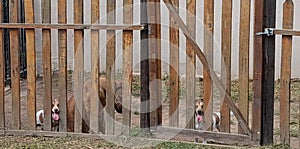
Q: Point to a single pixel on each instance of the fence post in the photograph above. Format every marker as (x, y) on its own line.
(286, 56)
(46, 13)
(190, 65)
(127, 65)
(2, 73)
(62, 45)
(79, 66)
(145, 95)
(208, 50)
(226, 61)
(15, 65)
(110, 71)
(244, 60)
(174, 70)
(31, 65)
(268, 45)
(95, 105)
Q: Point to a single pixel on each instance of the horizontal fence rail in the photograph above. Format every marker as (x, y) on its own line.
(72, 26)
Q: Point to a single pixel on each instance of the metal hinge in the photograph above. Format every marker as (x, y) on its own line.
(268, 32)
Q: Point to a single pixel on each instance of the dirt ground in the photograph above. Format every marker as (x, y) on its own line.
(136, 109)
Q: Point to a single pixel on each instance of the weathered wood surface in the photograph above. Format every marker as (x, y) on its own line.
(62, 48)
(268, 72)
(79, 66)
(95, 106)
(31, 66)
(257, 70)
(110, 69)
(244, 60)
(127, 66)
(190, 65)
(72, 26)
(15, 65)
(285, 76)
(286, 32)
(174, 70)
(46, 14)
(208, 50)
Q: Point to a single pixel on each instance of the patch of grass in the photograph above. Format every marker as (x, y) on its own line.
(138, 132)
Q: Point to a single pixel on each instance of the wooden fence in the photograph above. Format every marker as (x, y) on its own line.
(151, 98)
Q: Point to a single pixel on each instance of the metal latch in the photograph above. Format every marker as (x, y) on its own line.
(268, 32)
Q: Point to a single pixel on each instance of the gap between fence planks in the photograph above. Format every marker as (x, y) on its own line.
(245, 6)
(207, 66)
(285, 79)
(208, 50)
(15, 65)
(226, 62)
(46, 14)
(75, 26)
(159, 74)
(2, 75)
(79, 66)
(95, 106)
(127, 66)
(174, 70)
(190, 64)
(31, 66)
(110, 69)
(62, 48)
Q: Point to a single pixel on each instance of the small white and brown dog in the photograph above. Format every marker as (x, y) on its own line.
(54, 115)
(199, 117)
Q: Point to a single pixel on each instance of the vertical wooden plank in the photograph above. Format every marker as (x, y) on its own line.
(158, 41)
(268, 75)
(2, 74)
(46, 13)
(145, 95)
(286, 57)
(110, 72)
(257, 70)
(95, 104)
(174, 70)
(226, 61)
(208, 50)
(153, 61)
(127, 65)
(79, 64)
(244, 60)
(190, 65)
(15, 65)
(62, 45)
(31, 65)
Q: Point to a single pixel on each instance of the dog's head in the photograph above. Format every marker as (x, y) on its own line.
(199, 111)
(118, 98)
(55, 110)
